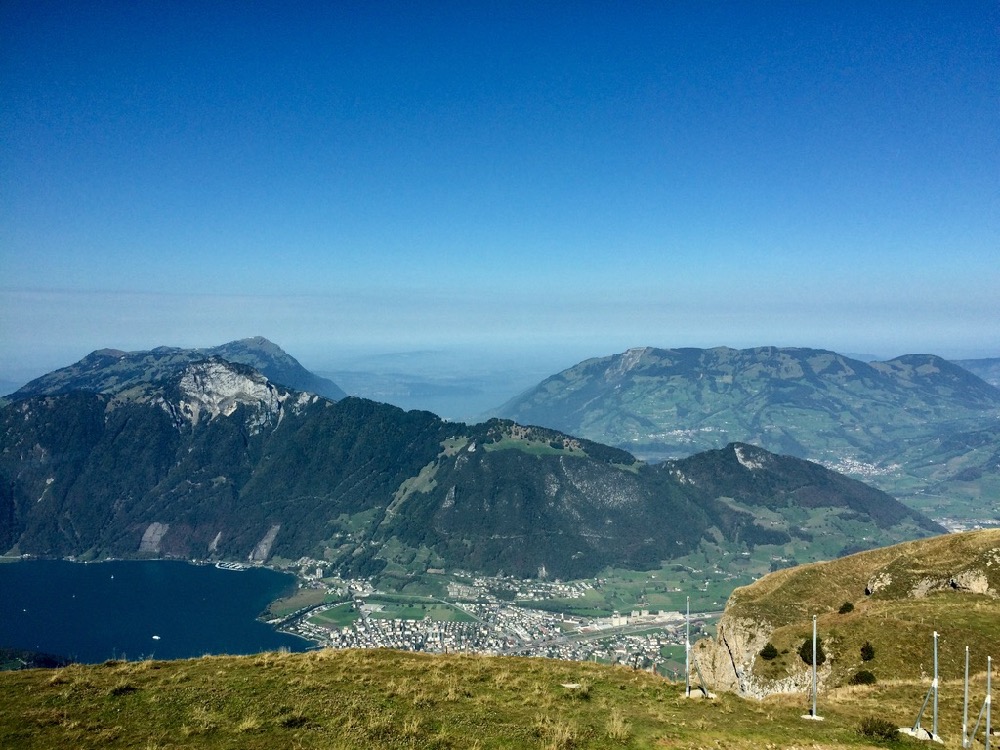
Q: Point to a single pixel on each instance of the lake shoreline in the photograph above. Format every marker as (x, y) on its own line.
(199, 613)
(220, 564)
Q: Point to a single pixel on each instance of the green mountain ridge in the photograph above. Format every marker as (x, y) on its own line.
(889, 423)
(216, 461)
(987, 368)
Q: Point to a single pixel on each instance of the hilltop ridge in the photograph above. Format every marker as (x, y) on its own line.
(917, 426)
(112, 370)
(893, 597)
(678, 401)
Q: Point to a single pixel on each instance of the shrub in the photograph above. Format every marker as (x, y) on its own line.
(867, 651)
(806, 651)
(618, 728)
(845, 608)
(863, 677)
(878, 728)
(769, 652)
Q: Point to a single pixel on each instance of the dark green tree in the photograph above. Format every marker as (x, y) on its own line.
(769, 652)
(862, 677)
(806, 651)
(867, 651)
(845, 608)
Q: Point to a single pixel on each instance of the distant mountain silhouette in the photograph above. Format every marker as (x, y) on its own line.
(894, 423)
(112, 371)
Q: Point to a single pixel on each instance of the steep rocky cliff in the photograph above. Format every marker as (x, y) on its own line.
(727, 662)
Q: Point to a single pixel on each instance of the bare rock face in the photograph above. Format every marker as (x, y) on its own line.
(877, 582)
(970, 581)
(216, 388)
(905, 577)
(151, 537)
(263, 548)
(973, 581)
(726, 663)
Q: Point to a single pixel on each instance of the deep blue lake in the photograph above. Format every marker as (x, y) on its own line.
(98, 611)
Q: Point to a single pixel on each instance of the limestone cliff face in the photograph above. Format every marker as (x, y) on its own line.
(727, 659)
(727, 662)
(217, 388)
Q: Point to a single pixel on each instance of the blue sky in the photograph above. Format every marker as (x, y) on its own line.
(527, 178)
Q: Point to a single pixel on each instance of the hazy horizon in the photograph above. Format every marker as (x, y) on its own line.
(456, 384)
(516, 183)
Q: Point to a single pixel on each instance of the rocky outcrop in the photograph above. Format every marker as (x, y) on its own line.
(217, 388)
(113, 372)
(969, 581)
(959, 570)
(726, 663)
(879, 581)
(904, 577)
(973, 581)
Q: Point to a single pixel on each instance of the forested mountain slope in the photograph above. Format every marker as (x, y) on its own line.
(216, 461)
(917, 426)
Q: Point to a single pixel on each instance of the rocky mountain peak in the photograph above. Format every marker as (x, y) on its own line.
(216, 387)
(111, 371)
(751, 457)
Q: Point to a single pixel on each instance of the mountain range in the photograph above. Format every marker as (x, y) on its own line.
(188, 454)
(918, 425)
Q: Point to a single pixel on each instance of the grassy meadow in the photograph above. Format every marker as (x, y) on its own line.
(384, 699)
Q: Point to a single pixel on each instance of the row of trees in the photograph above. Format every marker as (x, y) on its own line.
(770, 652)
(805, 652)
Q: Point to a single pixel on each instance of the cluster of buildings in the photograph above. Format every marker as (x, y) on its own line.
(472, 588)
(487, 624)
(852, 467)
(955, 525)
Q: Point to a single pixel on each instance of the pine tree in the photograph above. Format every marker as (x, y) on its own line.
(806, 651)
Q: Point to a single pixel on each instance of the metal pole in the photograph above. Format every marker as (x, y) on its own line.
(687, 650)
(965, 706)
(989, 697)
(935, 686)
(814, 666)
(916, 724)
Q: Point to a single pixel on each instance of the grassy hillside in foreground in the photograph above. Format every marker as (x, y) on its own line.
(385, 699)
